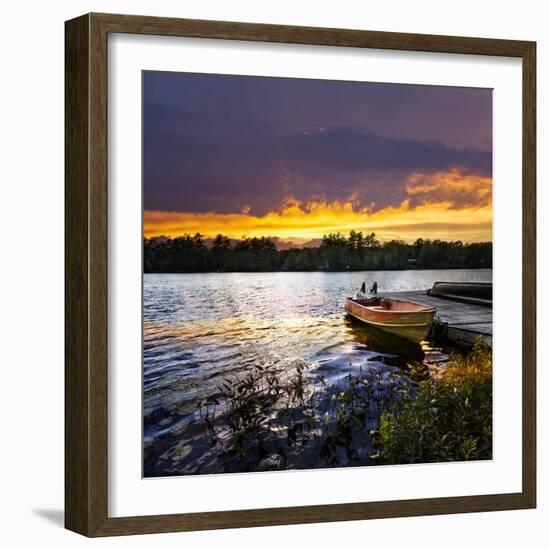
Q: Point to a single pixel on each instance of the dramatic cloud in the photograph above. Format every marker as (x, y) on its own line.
(329, 163)
(224, 153)
(461, 190)
(358, 149)
(299, 222)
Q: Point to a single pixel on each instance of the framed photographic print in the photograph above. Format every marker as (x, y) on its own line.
(300, 275)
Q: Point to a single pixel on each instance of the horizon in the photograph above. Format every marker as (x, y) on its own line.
(294, 159)
(282, 244)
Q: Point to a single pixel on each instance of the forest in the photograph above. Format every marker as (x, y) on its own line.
(336, 252)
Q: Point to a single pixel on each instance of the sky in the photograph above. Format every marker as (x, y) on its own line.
(249, 156)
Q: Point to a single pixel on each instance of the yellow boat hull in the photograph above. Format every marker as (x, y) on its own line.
(404, 319)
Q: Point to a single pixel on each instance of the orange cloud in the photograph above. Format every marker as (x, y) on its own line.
(440, 206)
(462, 190)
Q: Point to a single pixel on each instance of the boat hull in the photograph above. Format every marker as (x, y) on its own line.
(405, 319)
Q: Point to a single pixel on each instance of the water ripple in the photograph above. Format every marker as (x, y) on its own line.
(201, 328)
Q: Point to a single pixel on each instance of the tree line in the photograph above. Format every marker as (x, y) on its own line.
(336, 252)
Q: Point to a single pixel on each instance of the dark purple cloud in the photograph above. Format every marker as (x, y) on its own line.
(220, 143)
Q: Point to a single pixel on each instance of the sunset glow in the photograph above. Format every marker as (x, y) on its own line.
(449, 205)
(295, 159)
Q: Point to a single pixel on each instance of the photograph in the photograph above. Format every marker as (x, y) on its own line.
(317, 274)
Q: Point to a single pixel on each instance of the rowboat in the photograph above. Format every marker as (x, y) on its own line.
(406, 319)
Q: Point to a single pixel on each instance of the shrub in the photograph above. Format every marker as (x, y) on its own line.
(449, 419)
(264, 419)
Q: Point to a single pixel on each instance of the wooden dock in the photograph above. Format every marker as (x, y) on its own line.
(459, 322)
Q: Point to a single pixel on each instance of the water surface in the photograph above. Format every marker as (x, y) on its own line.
(200, 329)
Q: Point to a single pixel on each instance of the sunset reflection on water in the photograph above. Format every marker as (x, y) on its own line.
(200, 329)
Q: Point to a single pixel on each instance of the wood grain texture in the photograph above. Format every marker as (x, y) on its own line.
(77, 382)
(86, 257)
(459, 322)
(165, 26)
(529, 276)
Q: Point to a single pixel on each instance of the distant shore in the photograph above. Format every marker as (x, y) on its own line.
(356, 252)
(317, 270)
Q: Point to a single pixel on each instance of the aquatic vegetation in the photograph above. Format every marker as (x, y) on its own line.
(376, 417)
(295, 422)
(449, 419)
(262, 410)
(347, 426)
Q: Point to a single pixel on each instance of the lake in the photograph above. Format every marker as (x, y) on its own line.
(202, 329)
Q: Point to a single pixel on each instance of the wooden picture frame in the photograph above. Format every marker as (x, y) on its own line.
(86, 283)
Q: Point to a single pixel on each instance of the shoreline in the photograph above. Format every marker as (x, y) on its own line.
(320, 271)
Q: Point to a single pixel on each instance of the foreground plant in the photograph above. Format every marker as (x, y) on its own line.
(298, 420)
(268, 419)
(264, 413)
(449, 419)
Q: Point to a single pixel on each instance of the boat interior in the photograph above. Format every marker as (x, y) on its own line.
(385, 304)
